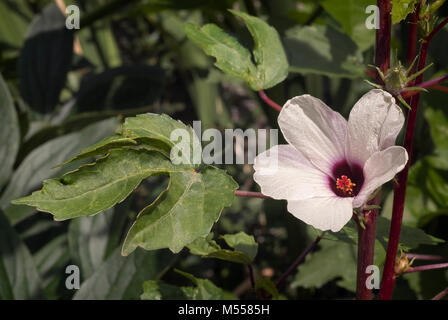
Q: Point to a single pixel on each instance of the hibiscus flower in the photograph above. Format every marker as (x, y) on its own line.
(330, 165)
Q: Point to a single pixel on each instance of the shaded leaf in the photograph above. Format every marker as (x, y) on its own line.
(19, 278)
(242, 242)
(265, 286)
(119, 277)
(14, 19)
(37, 166)
(45, 60)
(352, 17)
(9, 133)
(244, 245)
(204, 290)
(92, 239)
(322, 50)
(154, 290)
(121, 88)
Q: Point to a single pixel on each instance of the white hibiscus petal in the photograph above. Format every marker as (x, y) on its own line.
(282, 172)
(381, 167)
(329, 213)
(315, 130)
(373, 125)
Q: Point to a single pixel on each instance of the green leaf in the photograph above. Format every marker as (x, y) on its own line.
(93, 239)
(352, 17)
(37, 166)
(98, 186)
(9, 133)
(317, 269)
(244, 245)
(401, 9)
(271, 64)
(323, 50)
(268, 52)
(153, 290)
(119, 277)
(155, 130)
(45, 60)
(410, 237)
(265, 285)
(186, 210)
(242, 242)
(51, 260)
(438, 125)
(15, 16)
(204, 290)
(102, 147)
(19, 278)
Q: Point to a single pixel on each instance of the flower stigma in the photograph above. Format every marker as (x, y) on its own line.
(345, 184)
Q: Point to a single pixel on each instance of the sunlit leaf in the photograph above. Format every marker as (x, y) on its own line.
(271, 64)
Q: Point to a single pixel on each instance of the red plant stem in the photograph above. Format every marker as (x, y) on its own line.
(298, 261)
(250, 194)
(388, 281)
(413, 31)
(268, 101)
(440, 295)
(251, 276)
(383, 34)
(427, 267)
(366, 234)
(426, 85)
(440, 88)
(417, 256)
(366, 249)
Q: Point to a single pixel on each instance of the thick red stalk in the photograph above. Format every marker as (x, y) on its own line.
(388, 281)
(383, 34)
(413, 30)
(366, 235)
(366, 249)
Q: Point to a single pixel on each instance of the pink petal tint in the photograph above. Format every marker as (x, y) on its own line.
(332, 165)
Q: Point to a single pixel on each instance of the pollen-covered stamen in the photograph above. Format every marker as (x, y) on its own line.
(345, 184)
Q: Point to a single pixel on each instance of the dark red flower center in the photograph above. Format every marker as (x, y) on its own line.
(347, 179)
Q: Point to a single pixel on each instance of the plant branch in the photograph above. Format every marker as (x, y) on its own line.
(251, 276)
(298, 261)
(426, 85)
(427, 267)
(440, 88)
(366, 248)
(413, 33)
(388, 281)
(268, 101)
(383, 35)
(440, 295)
(250, 194)
(417, 256)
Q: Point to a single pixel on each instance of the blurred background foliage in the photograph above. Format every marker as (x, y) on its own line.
(63, 90)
